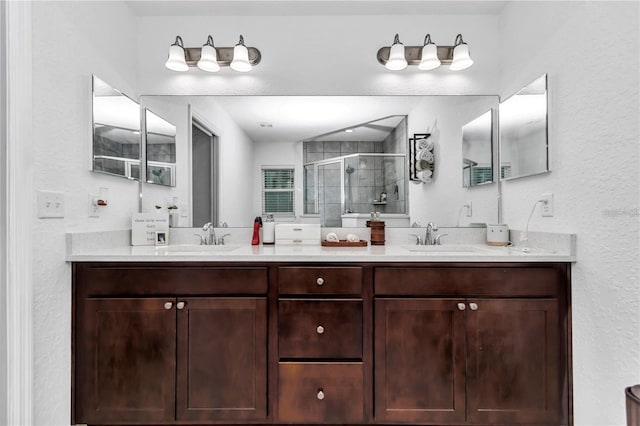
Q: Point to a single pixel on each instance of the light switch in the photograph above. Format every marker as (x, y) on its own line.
(50, 204)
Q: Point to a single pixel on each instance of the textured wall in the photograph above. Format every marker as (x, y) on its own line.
(590, 51)
(71, 40)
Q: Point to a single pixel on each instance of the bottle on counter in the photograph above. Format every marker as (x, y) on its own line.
(257, 223)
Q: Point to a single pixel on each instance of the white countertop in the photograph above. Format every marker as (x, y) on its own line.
(462, 245)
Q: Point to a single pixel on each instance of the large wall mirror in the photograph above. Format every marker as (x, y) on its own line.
(116, 132)
(477, 151)
(365, 136)
(524, 142)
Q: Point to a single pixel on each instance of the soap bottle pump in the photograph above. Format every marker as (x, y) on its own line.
(257, 223)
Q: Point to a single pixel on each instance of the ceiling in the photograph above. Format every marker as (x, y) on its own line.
(297, 118)
(312, 8)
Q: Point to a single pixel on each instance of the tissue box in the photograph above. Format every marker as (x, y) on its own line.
(299, 234)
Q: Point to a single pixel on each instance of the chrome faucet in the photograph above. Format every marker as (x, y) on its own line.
(212, 234)
(429, 235)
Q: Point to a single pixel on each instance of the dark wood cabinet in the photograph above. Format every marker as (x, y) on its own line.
(155, 360)
(345, 343)
(492, 359)
(125, 361)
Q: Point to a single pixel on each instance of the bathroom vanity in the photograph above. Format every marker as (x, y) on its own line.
(335, 340)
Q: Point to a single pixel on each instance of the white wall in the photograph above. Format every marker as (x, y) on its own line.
(590, 51)
(440, 201)
(325, 55)
(3, 224)
(71, 40)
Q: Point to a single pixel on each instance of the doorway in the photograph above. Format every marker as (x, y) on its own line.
(204, 176)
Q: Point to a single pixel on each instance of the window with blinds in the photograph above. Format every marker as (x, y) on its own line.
(277, 192)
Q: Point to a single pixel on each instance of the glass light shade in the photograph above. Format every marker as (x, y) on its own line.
(176, 61)
(461, 58)
(430, 58)
(240, 59)
(396, 61)
(208, 59)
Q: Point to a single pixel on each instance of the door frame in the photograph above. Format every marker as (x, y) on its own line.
(17, 216)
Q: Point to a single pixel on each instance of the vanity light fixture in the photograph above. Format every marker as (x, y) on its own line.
(426, 57)
(210, 58)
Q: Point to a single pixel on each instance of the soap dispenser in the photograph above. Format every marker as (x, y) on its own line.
(257, 223)
(269, 230)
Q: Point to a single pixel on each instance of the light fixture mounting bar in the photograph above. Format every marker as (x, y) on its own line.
(225, 55)
(413, 54)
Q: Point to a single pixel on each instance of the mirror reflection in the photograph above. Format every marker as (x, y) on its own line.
(334, 177)
(116, 132)
(524, 147)
(160, 138)
(477, 151)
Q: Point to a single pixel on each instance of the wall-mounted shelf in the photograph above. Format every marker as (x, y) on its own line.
(414, 152)
(379, 203)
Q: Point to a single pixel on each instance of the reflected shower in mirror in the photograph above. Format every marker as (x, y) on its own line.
(160, 138)
(524, 147)
(116, 132)
(477, 151)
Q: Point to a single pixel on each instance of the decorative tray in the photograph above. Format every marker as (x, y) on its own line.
(344, 243)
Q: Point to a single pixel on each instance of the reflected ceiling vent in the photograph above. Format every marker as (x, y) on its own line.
(265, 125)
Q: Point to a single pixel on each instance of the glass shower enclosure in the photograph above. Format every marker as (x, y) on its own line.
(356, 183)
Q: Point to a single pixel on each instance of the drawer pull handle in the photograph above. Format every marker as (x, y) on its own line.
(461, 306)
(168, 305)
(320, 329)
(320, 394)
(473, 306)
(320, 281)
(180, 305)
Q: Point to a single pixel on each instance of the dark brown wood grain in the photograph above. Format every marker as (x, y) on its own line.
(632, 397)
(336, 280)
(419, 361)
(125, 361)
(513, 362)
(222, 363)
(341, 322)
(340, 383)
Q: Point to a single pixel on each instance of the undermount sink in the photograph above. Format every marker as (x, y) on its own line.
(195, 248)
(445, 249)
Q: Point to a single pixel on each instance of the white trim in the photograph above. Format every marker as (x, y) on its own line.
(18, 219)
(3, 223)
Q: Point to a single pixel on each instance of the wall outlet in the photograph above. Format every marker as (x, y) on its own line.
(547, 206)
(469, 208)
(94, 208)
(50, 204)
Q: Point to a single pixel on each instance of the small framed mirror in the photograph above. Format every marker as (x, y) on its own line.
(524, 142)
(160, 142)
(477, 151)
(116, 132)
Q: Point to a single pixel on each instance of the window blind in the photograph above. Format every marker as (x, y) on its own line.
(277, 191)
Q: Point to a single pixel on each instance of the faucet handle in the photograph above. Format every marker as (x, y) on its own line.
(437, 240)
(221, 239)
(418, 239)
(202, 239)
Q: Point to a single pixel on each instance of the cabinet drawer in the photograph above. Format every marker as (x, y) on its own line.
(320, 328)
(320, 392)
(100, 280)
(320, 280)
(469, 281)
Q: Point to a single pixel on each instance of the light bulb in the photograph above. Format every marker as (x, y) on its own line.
(176, 60)
(240, 60)
(396, 61)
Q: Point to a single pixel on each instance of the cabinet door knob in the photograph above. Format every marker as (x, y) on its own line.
(320, 394)
(320, 281)
(168, 305)
(473, 306)
(320, 329)
(461, 306)
(180, 305)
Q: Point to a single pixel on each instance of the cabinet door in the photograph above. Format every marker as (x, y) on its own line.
(513, 373)
(222, 359)
(419, 361)
(125, 361)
